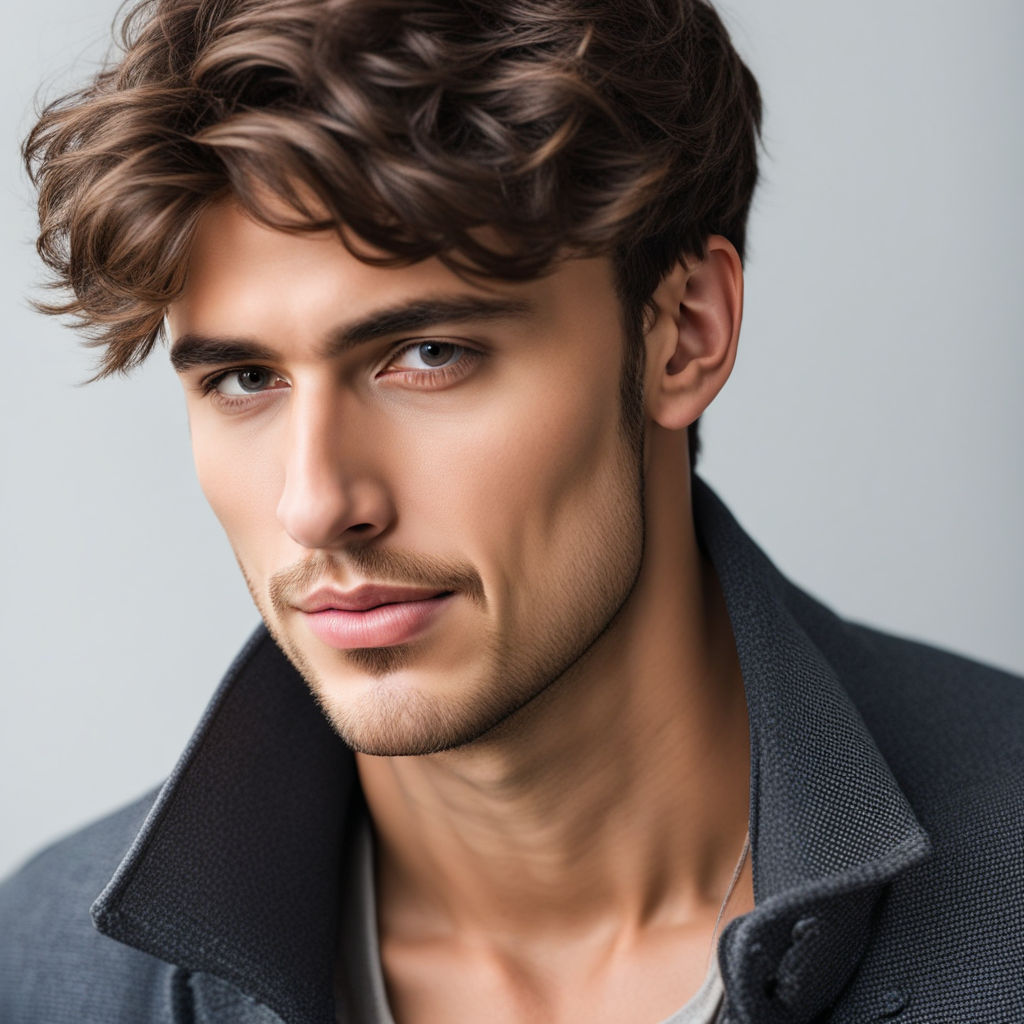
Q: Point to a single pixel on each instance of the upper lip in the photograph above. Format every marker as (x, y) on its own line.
(361, 598)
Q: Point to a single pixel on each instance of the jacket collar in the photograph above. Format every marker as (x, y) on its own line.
(235, 870)
(829, 824)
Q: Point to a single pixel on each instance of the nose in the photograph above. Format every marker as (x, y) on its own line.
(333, 492)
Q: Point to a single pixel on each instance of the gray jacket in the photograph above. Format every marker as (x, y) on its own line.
(887, 829)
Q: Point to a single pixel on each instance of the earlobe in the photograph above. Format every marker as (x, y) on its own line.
(691, 344)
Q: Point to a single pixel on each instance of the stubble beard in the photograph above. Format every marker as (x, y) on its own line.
(391, 720)
(395, 720)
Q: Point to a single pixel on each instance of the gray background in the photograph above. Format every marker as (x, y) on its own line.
(870, 437)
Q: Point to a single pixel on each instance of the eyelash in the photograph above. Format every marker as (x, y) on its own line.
(428, 378)
(208, 386)
(443, 374)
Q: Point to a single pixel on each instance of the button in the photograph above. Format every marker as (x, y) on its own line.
(804, 927)
(893, 1002)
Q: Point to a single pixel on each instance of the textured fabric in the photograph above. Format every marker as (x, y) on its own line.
(887, 837)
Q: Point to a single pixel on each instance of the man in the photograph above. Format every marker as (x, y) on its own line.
(539, 734)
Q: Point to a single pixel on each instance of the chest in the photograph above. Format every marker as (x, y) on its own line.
(432, 984)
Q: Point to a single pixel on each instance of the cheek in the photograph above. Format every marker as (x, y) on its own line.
(242, 490)
(512, 481)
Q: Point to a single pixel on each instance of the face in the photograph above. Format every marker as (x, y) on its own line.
(426, 482)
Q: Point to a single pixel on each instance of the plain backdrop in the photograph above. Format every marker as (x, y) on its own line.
(870, 438)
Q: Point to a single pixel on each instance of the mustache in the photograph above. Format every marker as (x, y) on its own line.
(374, 565)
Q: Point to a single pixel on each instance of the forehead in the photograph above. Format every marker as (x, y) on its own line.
(244, 277)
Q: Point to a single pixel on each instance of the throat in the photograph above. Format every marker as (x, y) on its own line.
(601, 833)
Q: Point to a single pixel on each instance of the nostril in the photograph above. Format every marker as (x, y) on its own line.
(360, 527)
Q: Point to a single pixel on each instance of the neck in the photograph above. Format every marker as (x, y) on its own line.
(618, 796)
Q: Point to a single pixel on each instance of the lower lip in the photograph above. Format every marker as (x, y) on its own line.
(382, 626)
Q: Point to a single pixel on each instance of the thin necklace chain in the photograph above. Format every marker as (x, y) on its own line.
(737, 871)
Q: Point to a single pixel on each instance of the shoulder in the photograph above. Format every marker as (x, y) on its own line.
(952, 731)
(54, 965)
(937, 716)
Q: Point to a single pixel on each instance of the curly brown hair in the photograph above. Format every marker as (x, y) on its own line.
(593, 127)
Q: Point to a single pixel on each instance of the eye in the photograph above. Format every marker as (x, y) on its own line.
(428, 355)
(248, 380)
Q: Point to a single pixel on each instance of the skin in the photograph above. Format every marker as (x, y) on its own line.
(557, 767)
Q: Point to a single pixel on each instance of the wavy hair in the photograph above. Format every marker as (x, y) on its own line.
(593, 127)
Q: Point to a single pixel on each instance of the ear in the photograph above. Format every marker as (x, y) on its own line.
(691, 342)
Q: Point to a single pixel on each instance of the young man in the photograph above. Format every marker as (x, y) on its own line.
(534, 732)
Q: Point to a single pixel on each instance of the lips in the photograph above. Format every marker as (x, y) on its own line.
(372, 615)
(363, 598)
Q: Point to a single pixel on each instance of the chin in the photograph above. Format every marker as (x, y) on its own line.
(394, 714)
(394, 720)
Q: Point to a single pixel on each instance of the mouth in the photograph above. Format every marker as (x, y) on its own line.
(364, 598)
(378, 619)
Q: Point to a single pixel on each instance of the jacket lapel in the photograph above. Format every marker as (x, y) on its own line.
(235, 871)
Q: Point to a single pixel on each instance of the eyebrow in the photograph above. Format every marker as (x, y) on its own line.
(191, 350)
